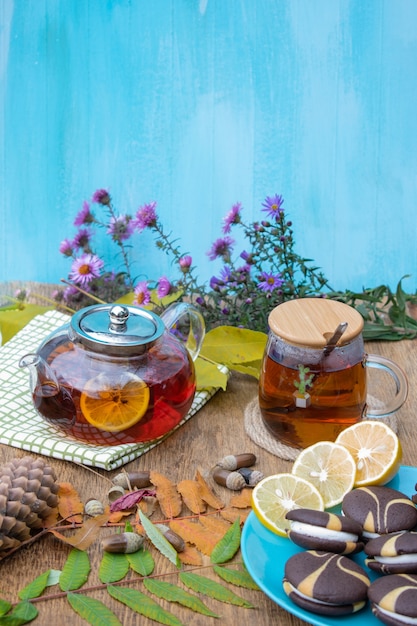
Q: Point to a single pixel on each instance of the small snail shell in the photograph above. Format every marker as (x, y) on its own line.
(132, 479)
(93, 508)
(252, 477)
(232, 462)
(115, 492)
(175, 540)
(231, 480)
(122, 543)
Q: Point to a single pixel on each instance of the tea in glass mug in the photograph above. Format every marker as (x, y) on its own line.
(313, 380)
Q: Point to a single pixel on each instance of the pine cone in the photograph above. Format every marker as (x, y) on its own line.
(28, 494)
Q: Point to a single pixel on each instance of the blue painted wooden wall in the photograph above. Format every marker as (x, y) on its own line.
(198, 104)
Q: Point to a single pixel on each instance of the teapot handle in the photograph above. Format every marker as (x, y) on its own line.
(191, 331)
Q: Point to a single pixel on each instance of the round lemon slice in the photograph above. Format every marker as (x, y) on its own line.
(275, 495)
(114, 403)
(330, 467)
(376, 450)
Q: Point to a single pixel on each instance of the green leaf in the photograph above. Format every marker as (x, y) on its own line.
(158, 540)
(35, 588)
(23, 613)
(201, 584)
(141, 562)
(228, 545)
(76, 570)
(230, 345)
(172, 593)
(53, 578)
(144, 605)
(236, 577)
(209, 375)
(113, 567)
(93, 611)
(4, 607)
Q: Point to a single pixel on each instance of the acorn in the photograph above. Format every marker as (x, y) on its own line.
(252, 477)
(115, 492)
(174, 539)
(122, 543)
(93, 508)
(232, 462)
(231, 480)
(129, 480)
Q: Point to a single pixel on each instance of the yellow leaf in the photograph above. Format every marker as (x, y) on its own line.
(230, 345)
(209, 375)
(11, 321)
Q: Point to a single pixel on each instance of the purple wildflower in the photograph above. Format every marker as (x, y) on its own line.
(82, 238)
(66, 247)
(216, 284)
(84, 216)
(270, 281)
(233, 217)
(164, 287)
(145, 216)
(101, 196)
(85, 268)
(142, 294)
(69, 293)
(247, 256)
(185, 263)
(121, 227)
(273, 206)
(221, 248)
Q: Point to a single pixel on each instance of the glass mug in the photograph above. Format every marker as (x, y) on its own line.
(313, 380)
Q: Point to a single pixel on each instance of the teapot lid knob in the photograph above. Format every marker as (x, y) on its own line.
(119, 315)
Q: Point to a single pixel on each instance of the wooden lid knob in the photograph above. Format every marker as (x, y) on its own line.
(310, 322)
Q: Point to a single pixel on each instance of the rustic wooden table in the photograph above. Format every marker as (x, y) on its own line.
(212, 433)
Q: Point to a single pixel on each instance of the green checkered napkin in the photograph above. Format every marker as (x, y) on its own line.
(22, 427)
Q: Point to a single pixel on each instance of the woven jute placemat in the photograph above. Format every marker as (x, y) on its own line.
(257, 431)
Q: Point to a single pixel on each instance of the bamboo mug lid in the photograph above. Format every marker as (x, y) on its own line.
(310, 322)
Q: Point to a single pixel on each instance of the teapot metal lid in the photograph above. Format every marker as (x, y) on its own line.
(311, 322)
(116, 329)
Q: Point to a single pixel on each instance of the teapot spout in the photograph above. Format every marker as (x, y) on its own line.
(43, 381)
(51, 400)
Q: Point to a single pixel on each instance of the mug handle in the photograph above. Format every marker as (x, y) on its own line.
(195, 328)
(381, 362)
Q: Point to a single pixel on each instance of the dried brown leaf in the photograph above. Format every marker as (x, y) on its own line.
(190, 556)
(70, 506)
(215, 524)
(168, 497)
(86, 534)
(148, 505)
(231, 514)
(206, 492)
(117, 516)
(195, 533)
(243, 499)
(52, 518)
(190, 492)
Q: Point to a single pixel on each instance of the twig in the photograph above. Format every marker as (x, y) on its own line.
(89, 295)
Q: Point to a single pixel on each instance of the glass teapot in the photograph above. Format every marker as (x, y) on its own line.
(118, 374)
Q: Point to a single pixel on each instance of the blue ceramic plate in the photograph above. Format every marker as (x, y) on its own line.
(265, 554)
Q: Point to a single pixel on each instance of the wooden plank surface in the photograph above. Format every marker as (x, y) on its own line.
(215, 431)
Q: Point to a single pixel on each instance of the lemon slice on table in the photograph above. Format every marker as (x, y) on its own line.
(275, 495)
(330, 467)
(114, 403)
(376, 450)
